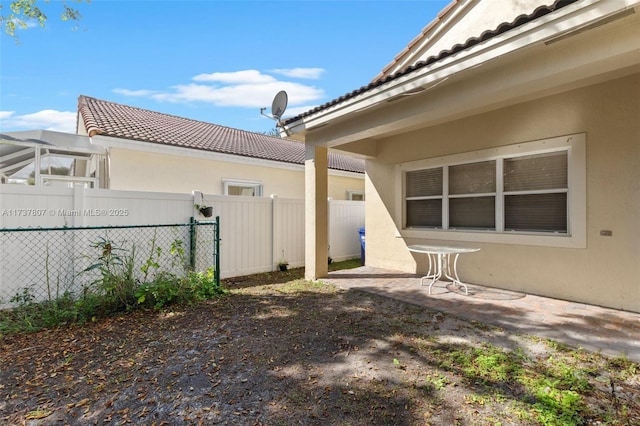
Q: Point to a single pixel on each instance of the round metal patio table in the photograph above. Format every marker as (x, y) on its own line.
(443, 262)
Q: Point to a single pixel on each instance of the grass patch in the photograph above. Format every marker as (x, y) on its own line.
(345, 264)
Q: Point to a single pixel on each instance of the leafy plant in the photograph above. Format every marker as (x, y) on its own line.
(203, 284)
(204, 209)
(23, 298)
(117, 281)
(558, 407)
(151, 263)
(283, 263)
(167, 289)
(162, 291)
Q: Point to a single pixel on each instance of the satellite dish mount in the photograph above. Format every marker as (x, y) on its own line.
(278, 106)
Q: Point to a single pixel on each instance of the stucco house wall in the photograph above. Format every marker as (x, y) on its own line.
(152, 171)
(606, 271)
(152, 151)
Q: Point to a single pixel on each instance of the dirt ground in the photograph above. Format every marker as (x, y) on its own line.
(270, 353)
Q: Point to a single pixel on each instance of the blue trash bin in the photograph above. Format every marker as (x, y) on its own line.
(361, 232)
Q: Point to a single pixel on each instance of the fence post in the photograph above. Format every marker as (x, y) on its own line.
(274, 232)
(192, 243)
(329, 207)
(217, 251)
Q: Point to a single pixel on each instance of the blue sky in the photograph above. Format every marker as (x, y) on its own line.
(214, 61)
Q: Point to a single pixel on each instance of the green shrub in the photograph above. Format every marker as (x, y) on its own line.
(167, 289)
(115, 290)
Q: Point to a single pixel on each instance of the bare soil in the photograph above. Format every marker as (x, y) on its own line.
(280, 351)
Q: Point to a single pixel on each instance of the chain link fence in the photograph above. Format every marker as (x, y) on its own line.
(40, 264)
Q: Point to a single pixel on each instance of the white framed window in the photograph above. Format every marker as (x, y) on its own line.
(354, 195)
(242, 187)
(531, 193)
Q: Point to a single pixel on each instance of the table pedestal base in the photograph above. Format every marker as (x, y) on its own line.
(441, 265)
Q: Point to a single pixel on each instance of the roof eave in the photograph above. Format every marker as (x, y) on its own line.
(557, 25)
(107, 142)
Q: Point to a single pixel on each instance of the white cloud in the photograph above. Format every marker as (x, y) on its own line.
(241, 95)
(48, 119)
(306, 73)
(245, 88)
(24, 24)
(236, 77)
(141, 92)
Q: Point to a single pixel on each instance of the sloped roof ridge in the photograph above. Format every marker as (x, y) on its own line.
(82, 103)
(133, 123)
(470, 42)
(439, 17)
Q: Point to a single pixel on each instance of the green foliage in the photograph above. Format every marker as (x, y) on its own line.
(275, 132)
(556, 407)
(29, 316)
(119, 286)
(167, 289)
(345, 264)
(21, 12)
(439, 381)
(624, 367)
(162, 291)
(23, 298)
(493, 364)
(556, 389)
(117, 277)
(203, 284)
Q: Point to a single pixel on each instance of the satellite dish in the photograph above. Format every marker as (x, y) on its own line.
(279, 104)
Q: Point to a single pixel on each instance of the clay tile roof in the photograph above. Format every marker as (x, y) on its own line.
(472, 41)
(127, 122)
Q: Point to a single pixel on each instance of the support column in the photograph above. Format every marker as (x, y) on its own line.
(316, 211)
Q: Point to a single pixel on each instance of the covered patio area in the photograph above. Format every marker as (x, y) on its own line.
(609, 331)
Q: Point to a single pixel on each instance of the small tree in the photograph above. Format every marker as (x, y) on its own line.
(19, 12)
(273, 132)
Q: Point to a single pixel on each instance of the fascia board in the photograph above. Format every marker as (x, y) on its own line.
(47, 139)
(120, 143)
(432, 35)
(565, 20)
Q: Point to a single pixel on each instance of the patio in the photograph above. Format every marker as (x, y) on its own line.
(609, 331)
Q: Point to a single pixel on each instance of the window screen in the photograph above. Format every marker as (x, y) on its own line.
(424, 183)
(530, 196)
(472, 213)
(536, 172)
(536, 212)
(535, 189)
(424, 213)
(473, 178)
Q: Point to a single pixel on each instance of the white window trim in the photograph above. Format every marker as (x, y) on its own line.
(576, 237)
(226, 183)
(351, 193)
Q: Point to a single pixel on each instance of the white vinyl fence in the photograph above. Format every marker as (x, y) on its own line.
(256, 232)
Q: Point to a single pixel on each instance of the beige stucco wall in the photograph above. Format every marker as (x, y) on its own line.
(607, 271)
(148, 171)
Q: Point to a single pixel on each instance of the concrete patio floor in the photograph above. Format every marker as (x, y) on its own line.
(609, 331)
